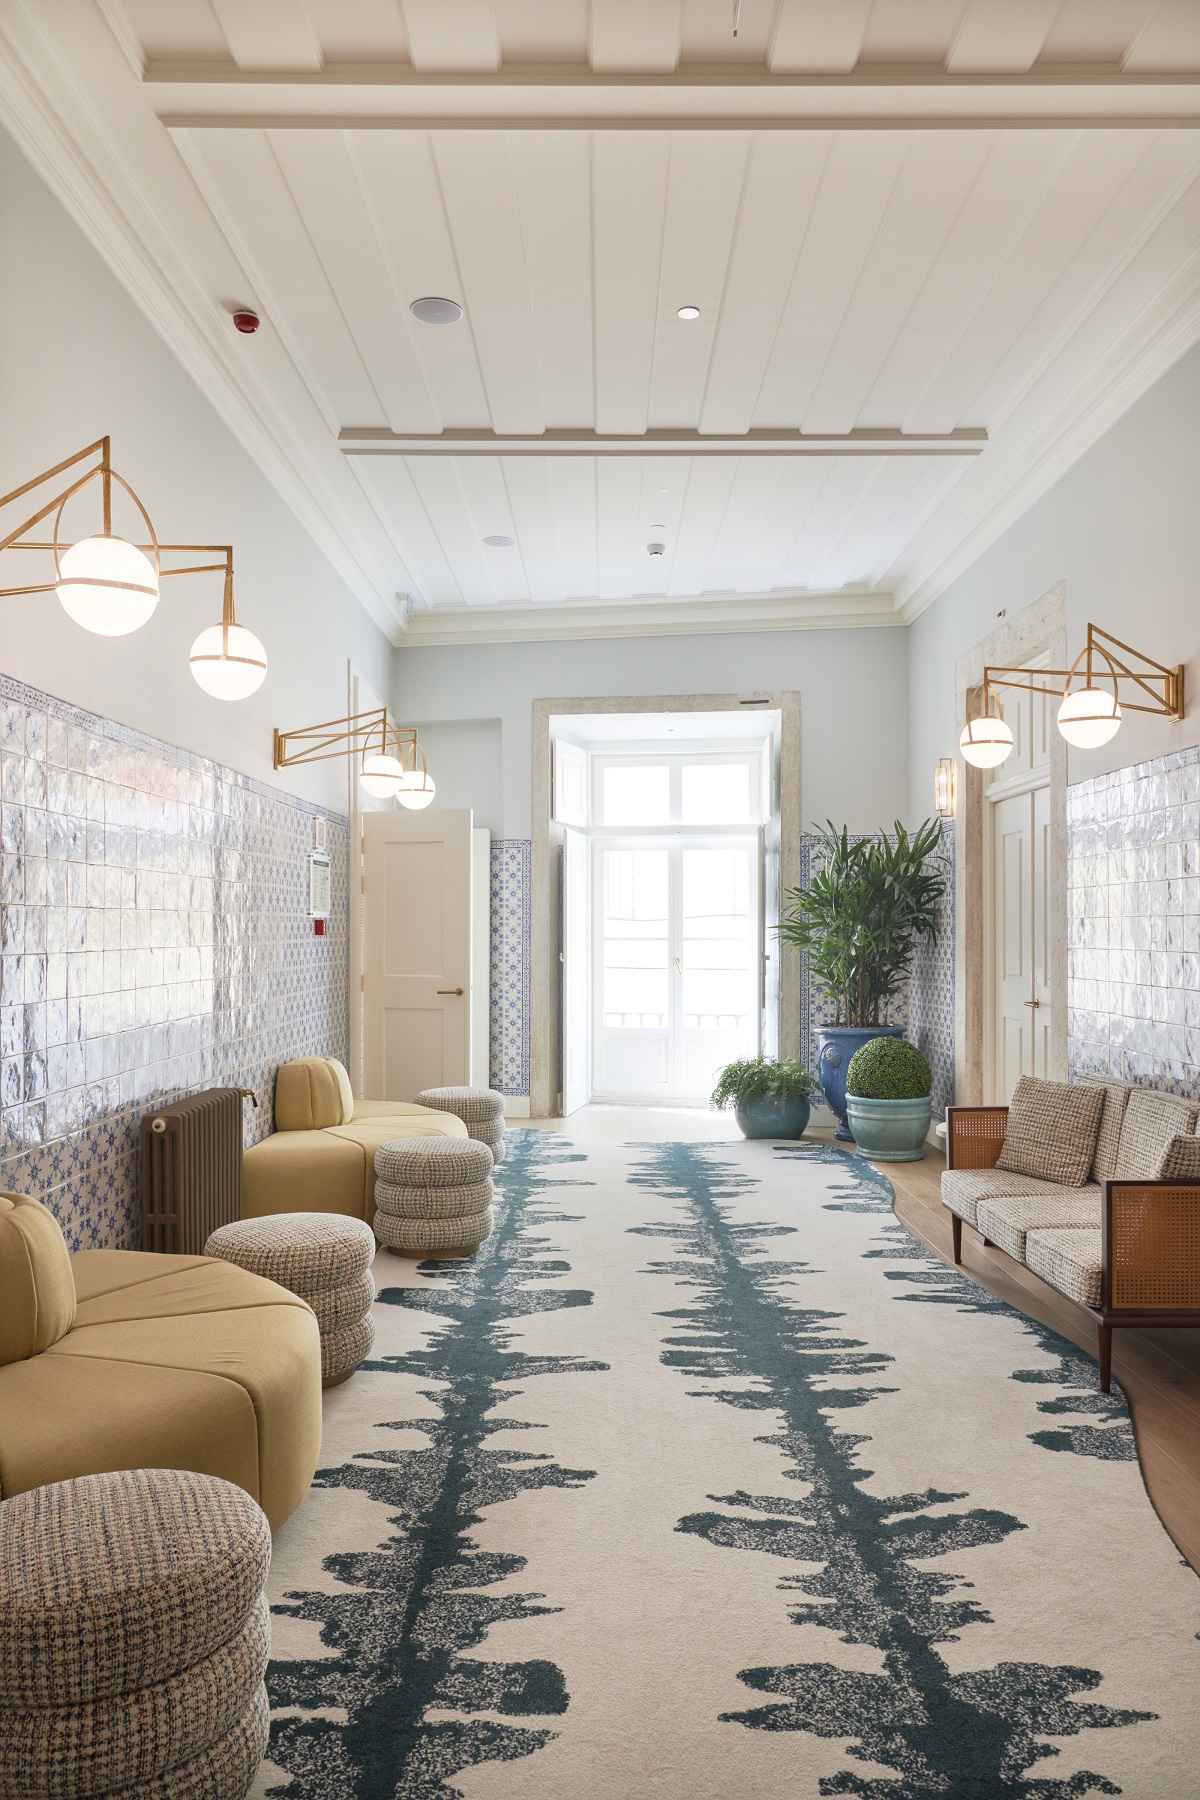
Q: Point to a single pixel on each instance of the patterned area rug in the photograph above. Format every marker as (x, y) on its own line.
(704, 1481)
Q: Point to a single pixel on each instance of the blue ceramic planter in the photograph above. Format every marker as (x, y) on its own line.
(774, 1117)
(836, 1044)
(889, 1130)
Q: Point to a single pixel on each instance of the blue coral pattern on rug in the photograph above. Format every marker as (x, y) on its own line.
(409, 1614)
(941, 1735)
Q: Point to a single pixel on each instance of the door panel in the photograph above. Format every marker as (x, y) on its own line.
(576, 975)
(1020, 939)
(416, 990)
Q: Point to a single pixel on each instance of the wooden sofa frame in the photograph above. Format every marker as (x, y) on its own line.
(1150, 1237)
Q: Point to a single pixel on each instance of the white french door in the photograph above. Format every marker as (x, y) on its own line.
(676, 956)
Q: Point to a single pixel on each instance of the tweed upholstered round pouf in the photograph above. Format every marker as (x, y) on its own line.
(134, 1637)
(433, 1196)
(480, 1109)
(325, 1258)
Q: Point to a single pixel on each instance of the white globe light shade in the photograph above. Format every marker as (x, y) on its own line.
(1089, 717)
(107, 585)
(381, 775)
(418, 790)
(986, 743)
(228, 662)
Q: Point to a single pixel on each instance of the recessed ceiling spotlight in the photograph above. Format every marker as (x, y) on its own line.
(659, 527)
(688, 312)
(433, 310)
(499, 543)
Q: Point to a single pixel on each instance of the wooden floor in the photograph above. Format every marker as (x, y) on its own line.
(1159, 1370)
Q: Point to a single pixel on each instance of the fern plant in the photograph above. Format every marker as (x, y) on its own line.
(754, 1078)
(870, 903)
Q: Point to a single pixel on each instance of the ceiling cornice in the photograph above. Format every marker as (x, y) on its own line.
(552, 623)
(52, 120)
(1163, 332)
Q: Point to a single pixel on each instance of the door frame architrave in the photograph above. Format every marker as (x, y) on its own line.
(1040, 629)
(544, 982)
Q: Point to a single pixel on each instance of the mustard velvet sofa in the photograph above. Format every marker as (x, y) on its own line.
(118, 1359)
(321, 1157)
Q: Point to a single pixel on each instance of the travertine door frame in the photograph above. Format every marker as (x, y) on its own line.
(1039, 630)
(543, 994)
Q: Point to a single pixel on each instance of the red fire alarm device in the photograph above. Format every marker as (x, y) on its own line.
(319, 927)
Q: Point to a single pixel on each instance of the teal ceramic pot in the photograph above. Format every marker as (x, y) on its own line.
(889, 1130)
(774, 1117)
(836, 1044)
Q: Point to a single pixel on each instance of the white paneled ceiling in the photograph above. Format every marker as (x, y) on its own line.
(937, 246)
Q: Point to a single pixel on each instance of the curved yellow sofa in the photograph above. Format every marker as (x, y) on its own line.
(321, 1157)
(118, 1359)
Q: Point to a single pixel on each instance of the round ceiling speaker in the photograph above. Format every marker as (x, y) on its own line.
(433, 310)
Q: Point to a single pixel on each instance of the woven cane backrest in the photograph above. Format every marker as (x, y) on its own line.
(976, 1135)
(1154, 1246)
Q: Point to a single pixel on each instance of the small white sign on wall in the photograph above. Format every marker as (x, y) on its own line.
(320, 887)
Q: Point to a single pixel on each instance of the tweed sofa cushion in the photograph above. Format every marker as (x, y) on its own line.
(1108, 1137)
(418, 1237)
(963, 1189)
(432, 1203)
(433, 1162)
(343, 1350)
(1151, 1121)
(184, 1557)
(304, 1252)
(1180, 1161)
(1007, 1222)
(224, 1771)
(472, 1105)
(1069, 1260)
(1051, 1131)
(346, 1305)
(127, 1739)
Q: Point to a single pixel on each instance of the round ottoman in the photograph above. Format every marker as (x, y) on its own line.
(480, 1109)
(134, 1636)
(433, 1196)
(325, 1258)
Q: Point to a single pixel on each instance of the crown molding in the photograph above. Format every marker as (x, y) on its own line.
(51, 118)
(574, 619)
(1166, 330)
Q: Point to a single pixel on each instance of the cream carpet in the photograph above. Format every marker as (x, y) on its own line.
(703, 1481)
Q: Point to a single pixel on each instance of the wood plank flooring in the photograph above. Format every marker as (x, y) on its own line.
(1159, 1370)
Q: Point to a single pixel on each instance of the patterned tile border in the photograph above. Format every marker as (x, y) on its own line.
(512, 861)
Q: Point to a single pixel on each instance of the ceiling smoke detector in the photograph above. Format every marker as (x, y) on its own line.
(246, 321)
(434, 310)
(498, 542)
(657, 549)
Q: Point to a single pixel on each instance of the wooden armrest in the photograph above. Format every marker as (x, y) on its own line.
(974, 1136)
(1151, 1246)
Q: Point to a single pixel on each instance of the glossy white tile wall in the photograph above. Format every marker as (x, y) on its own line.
(154, 941)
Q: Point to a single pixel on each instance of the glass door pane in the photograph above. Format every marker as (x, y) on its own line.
(718, 961)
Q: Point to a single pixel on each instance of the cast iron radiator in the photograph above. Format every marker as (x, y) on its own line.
(192, 1170)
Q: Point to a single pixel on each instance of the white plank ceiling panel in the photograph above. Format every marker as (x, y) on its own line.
(460, 36)
(629, 34)
(529, 487)
(322, 171)
(818, 36)
(474, 567)
(573, 486)
(394, 494)
(404, 193)
(475, 172)
(795, 495)
(620, 554)
(266, 34)
(1002, 36)
(1169, 38)
(709, 484)
(367, 31)
(543, 31)
(630, 174)
(553, 175)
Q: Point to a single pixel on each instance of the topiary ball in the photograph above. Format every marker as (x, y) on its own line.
(888, 1069)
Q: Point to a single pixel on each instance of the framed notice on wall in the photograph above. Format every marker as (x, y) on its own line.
(319, 886)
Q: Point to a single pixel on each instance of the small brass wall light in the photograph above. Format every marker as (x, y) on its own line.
(943, 787)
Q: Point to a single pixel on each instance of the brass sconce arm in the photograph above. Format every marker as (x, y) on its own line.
(356, 735)
(1162, 686)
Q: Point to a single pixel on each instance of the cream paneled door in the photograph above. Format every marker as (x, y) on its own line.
(416, 982)
(1021, 939)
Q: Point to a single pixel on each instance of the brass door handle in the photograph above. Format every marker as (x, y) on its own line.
(1032, 1003)
(459, 991)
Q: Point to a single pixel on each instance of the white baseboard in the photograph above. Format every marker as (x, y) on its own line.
(516, 1106)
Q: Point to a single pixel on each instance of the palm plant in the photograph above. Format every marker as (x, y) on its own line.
(870, 903)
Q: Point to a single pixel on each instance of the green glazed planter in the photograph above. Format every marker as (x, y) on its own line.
(774, 1117)
(889, 1130)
